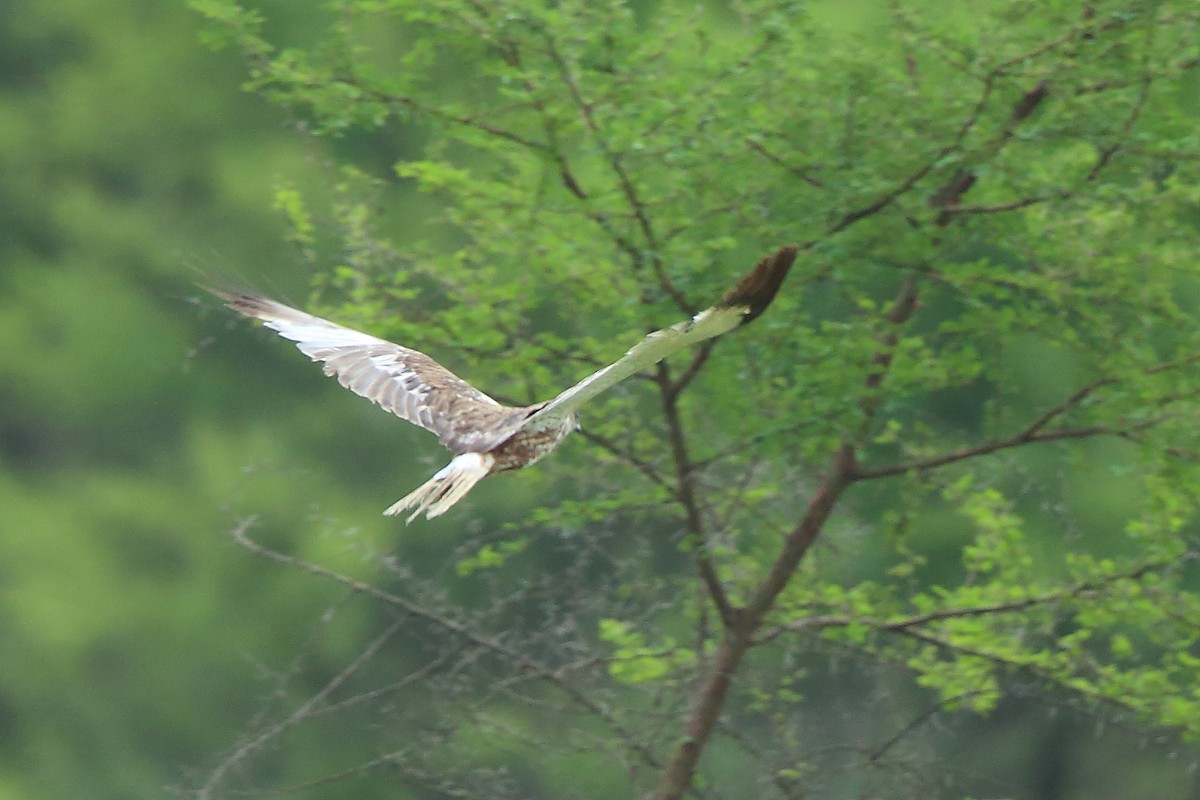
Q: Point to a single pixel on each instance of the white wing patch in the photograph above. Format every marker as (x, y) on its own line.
(405, 382)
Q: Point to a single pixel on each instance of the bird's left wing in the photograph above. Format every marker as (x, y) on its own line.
(749, 298)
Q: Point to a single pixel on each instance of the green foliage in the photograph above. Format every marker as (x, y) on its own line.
(635, 662)
(490, 556)
(986, 359)
(289, 200)
(125, 455)
(997, 211)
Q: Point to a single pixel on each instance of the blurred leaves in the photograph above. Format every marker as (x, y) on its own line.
(522, 191)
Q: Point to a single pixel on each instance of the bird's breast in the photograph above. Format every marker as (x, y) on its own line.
(528, 445)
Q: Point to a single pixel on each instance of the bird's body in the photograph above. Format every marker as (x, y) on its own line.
(531, 442)
(484, 435)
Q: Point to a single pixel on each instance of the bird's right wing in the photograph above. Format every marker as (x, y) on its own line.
(405, 382)
(745, 301)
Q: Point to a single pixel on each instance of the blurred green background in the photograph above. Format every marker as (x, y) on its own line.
(137, 426)
(139, 423)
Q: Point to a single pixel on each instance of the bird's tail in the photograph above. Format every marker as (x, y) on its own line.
(451, 483)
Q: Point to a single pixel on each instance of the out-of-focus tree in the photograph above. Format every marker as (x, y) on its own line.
(130, 155)
(959, 454)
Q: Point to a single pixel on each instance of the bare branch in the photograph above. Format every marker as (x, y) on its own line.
(1135, 112)
(494, 646)
(998, 208)
(303, 711)
(758, 147)
(916, 722)
(906, 184)
(625, 455)
(925, 464)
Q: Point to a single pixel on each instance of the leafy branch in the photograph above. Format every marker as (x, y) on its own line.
(1035, 431)
(739, 636)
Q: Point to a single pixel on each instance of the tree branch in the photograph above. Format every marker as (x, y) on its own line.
(925, 464)
(494, 646)
(685, 493)
(624, 181)
(624, 455)
(739, 637)
(890, 196)
(758, 147)
(998, 208)
(1081, 589)
(413, 104)
(1034, 432)
(304, 710)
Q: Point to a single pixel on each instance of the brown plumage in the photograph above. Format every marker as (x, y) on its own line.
(484, 435)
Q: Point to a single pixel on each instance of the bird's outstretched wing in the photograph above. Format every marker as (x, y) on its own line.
(405, 382)
(745, 301)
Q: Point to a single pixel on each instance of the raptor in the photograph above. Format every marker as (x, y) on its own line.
(484, 435)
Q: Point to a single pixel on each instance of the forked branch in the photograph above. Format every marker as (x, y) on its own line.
(746, 621)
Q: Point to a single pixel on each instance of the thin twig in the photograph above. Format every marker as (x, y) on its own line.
(305, 709)
(518, 659)
(1034, 432)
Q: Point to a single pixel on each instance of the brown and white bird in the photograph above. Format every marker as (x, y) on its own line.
(484, 435)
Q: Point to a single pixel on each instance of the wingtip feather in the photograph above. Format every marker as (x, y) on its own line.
(758, 288)
(251, 304)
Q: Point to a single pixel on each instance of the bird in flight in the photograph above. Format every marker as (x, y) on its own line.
(484, 435)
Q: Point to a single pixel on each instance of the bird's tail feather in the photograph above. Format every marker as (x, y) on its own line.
(444, 489)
